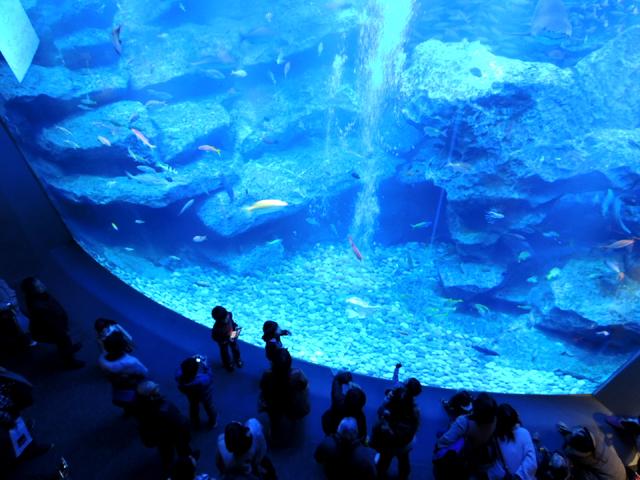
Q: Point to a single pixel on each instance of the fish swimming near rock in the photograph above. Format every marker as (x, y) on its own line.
(355, 249)
(63, 130)
(239, 73)
(214, 74)
(104, 141)
(485, 351)
(186, 206)
(616, 268)
(146, 169)
(627, 242)
(209, 148)
(267, 205)
(424, 224)
(617, 214)
(550, 18)
(493, 216)
(114, 226)
(140, 136)
(360, 303)
(199, 238)
(115, 39)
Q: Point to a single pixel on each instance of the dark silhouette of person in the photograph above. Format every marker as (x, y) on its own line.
(49, 321)
(225, 333)
(271, 335)
(398, 422)
(349, 403)
(161, 425)
(344, 455)
(195, 381)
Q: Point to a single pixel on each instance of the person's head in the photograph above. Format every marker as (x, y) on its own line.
(355, 399)
(484, 409)
(184, 468)
(32, 286)
(413, 387)
(348, 429)
(580, 442)
(148, 390)
(116, 344)
(189, 367)
(219, 313)
(102, 323)
(237, 438)
(281, 362)
(269, 330)
(506, 420)
(558, 467)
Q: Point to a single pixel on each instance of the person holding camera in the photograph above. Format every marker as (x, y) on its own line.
(225, 333)
(271, 336)
(347, 400)
(195, 381)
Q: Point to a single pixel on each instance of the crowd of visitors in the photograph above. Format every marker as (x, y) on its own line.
(484, 440)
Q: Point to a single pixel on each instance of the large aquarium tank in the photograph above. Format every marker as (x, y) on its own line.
(453, 185)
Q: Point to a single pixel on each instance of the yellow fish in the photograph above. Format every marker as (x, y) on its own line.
(104, 140)
(269, 204)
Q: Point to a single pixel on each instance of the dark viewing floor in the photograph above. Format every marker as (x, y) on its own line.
(73, 409)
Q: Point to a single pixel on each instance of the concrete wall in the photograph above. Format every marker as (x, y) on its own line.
(29, 225)
(621, 394)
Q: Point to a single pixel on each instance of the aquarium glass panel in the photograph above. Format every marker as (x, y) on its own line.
(451, 185)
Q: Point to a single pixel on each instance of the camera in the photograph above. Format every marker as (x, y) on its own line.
(200, 358)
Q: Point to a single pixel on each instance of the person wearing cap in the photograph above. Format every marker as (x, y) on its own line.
(225, 333)
(591, 457)
(195, 381)
(242, 451)
(161, 425)
(271, 336)
(397, 425)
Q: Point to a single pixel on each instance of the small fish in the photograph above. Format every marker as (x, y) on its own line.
(146, 169)
(524, 256)
(356, 250)
(129, 249)
(482, 309)
(476, 72)
(287, 67)
(73, 145)
(432, 132)
(485, 351)
(423, 224)
(320, 48)
(166, 167)
(603, 333)
(493, 215)
(239, 73)
(139, 222)
(199, 238)
(533, 279)
(358, 302)
(63, 130)
(104, 140)
(269, 204)
(155, 103)
(174, 258)
(142, 138)
(551, 234)
(268, 16)
(616, 268)
(85, 107)
(186, 206)
(272, 77)
(554, 273)
(201, 283)
(115, 39)
(214, 74)
(280, 58)
(607, 202)
(114, 226)
(135, 157)
(182, 7)
(163, 35)
(209, 148)
(134, 116)
(460, 166)
(621, 243)
(355, 175)
(274, 242)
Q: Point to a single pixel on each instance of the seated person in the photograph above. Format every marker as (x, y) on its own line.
(591, 457)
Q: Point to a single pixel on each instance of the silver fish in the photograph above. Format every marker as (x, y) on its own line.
(186, 206)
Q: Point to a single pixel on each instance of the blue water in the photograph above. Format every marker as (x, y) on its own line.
(455, 175)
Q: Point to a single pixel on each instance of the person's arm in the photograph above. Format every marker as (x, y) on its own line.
(456, 431)
(529, 465)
